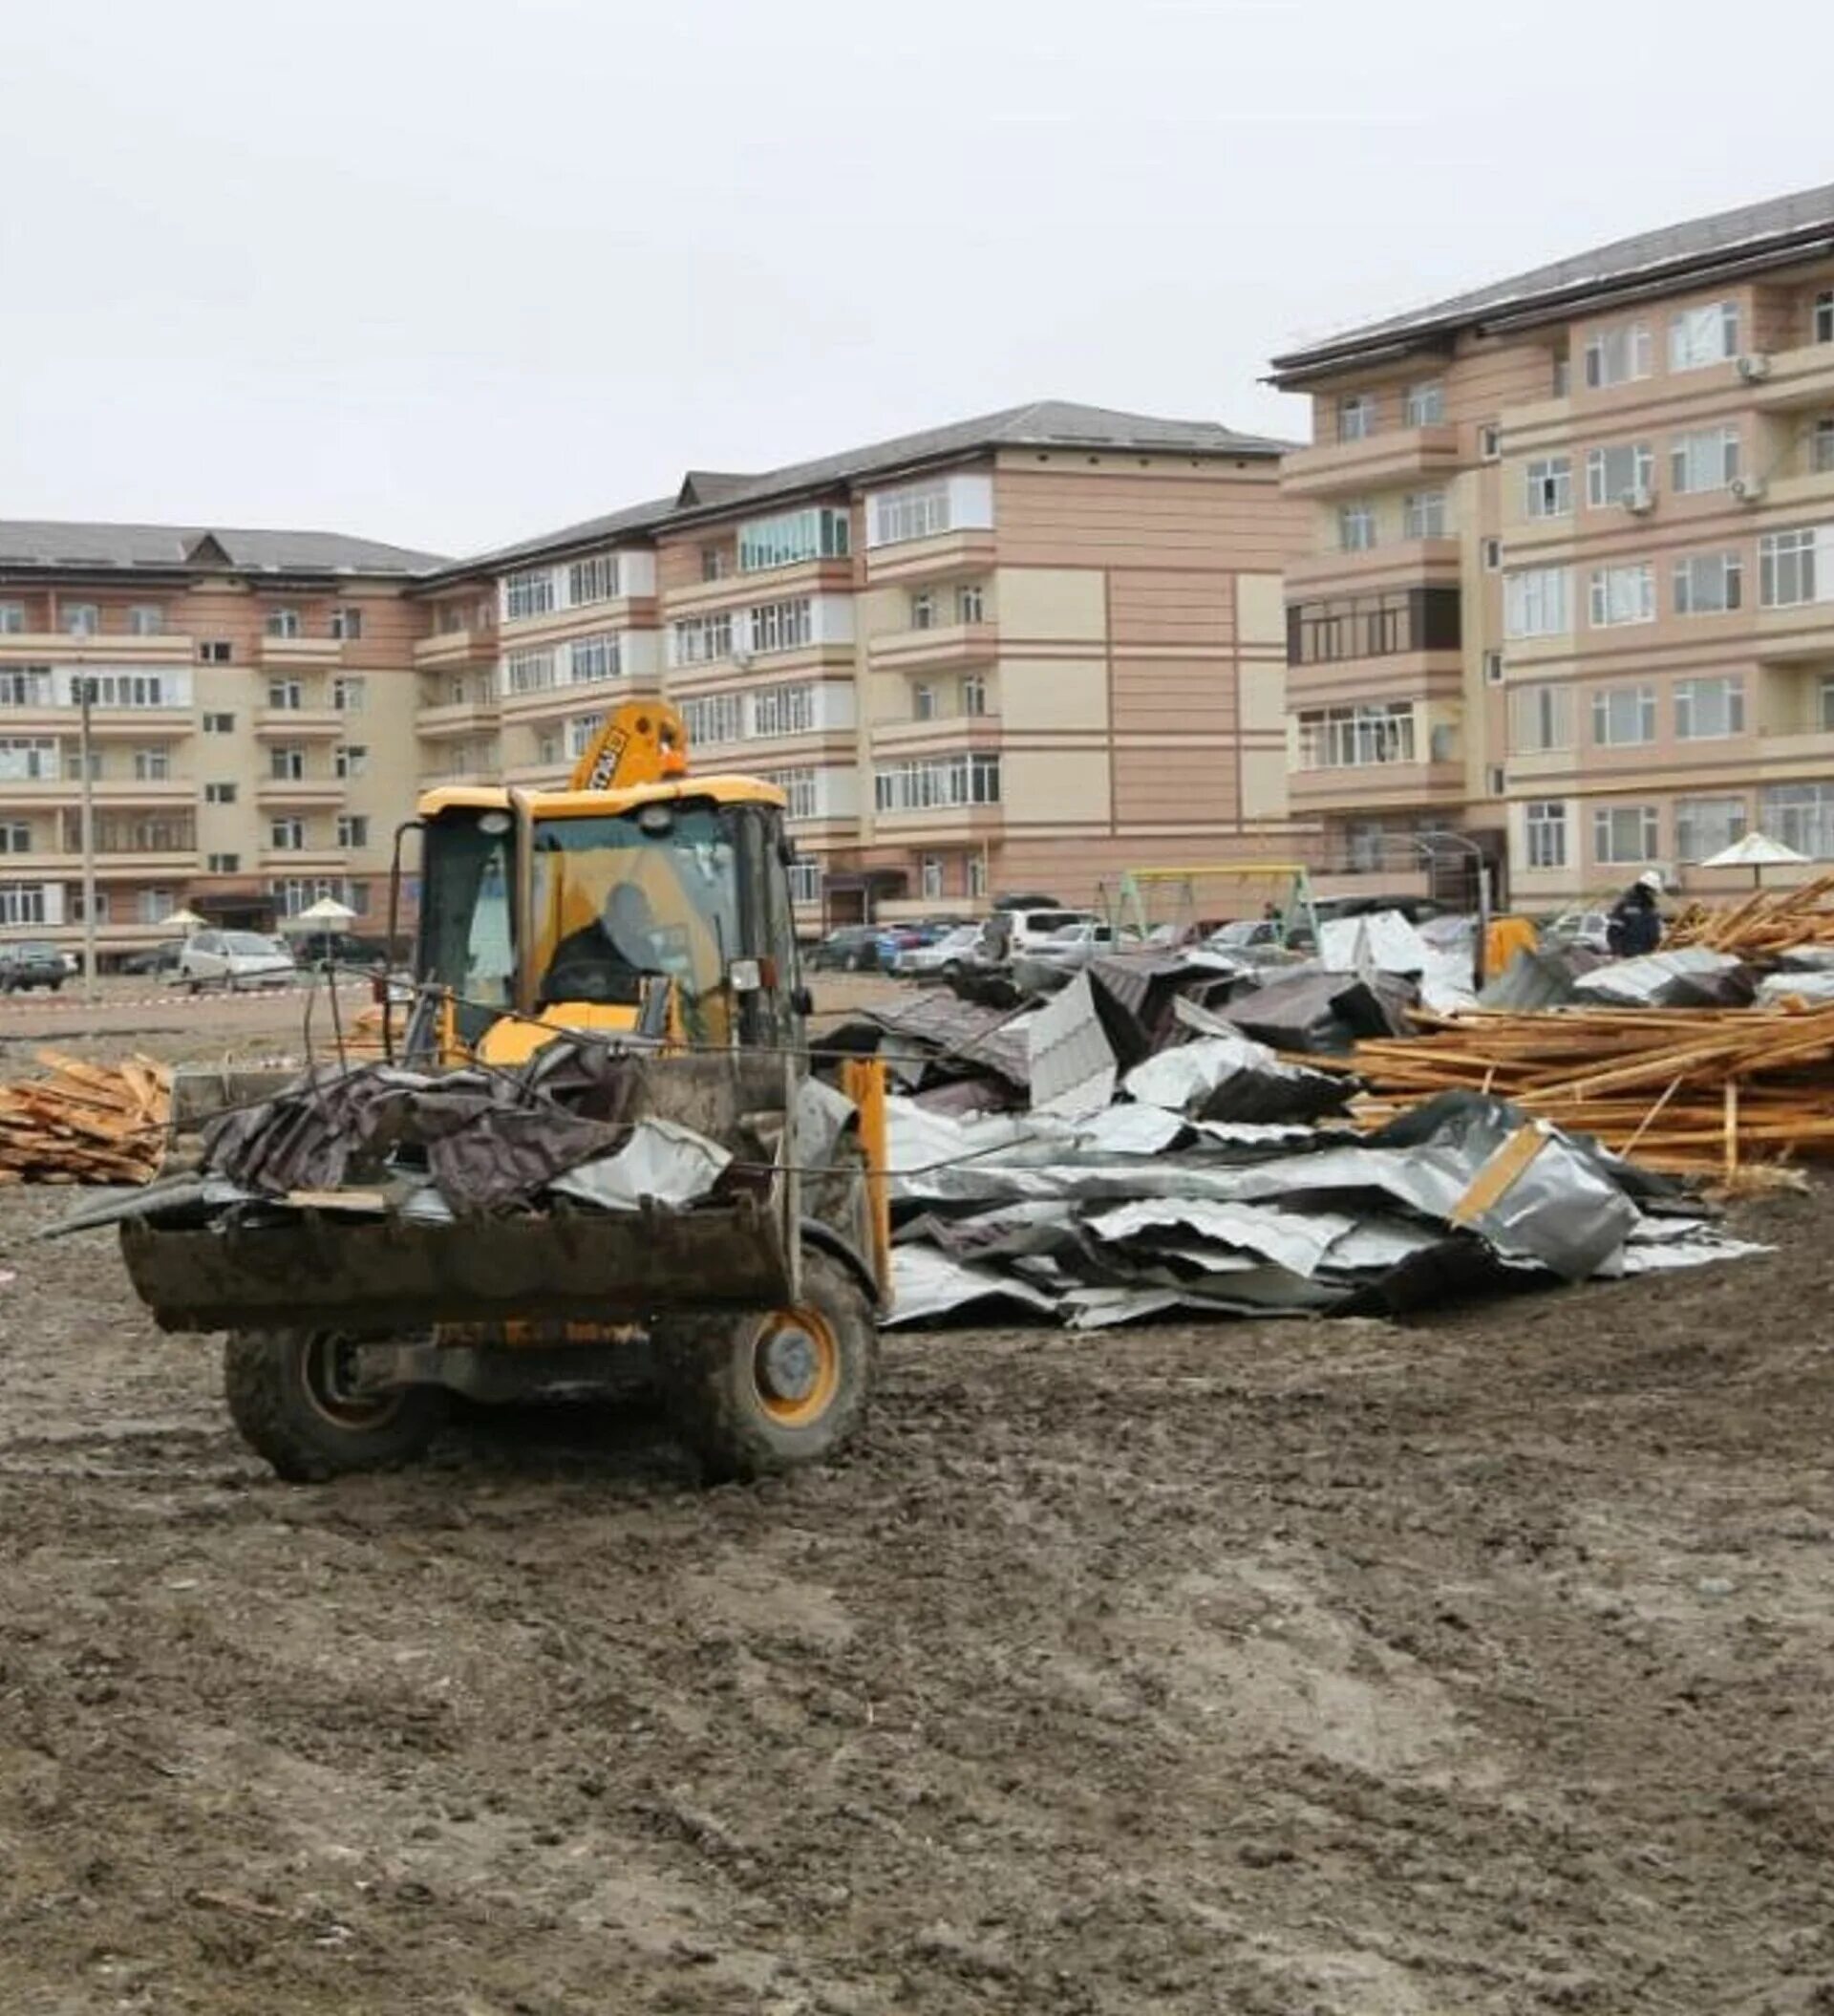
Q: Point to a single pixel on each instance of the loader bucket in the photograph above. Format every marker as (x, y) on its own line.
(386, 1277)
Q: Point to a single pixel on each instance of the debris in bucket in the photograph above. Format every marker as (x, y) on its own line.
(84, 1123)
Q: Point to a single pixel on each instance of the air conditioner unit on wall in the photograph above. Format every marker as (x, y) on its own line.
(1754, 365)
(1747, 489)
(1639, 501)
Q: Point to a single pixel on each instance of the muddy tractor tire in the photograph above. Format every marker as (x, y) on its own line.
(289, 1395)
(758, 1392)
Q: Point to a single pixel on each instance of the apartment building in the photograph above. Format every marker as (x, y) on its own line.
(252, 712)
(1568, 584)
(1025, 651)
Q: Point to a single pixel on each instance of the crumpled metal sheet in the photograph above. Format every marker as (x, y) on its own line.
(1324, 1013)
(1131, 1131)
(1807, 984)
(660, 1162)
(1072, 1063)
(928, 1283)
(1543, 978)
(1293, 1240)
(959, 1036)
(1378, 941)
(1691, 977)
(1232, 1077)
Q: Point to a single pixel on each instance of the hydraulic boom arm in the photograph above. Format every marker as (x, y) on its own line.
(641, 742)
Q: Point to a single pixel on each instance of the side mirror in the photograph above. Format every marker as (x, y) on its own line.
(801, 1000)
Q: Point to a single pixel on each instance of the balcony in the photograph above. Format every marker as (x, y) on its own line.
(302, 861)
(1392, 676)
(454, 648)
(1378, 462)
(949, 647)
(137, 724)
(1404, 563)
(58, 647)
(19, 794)
(935, 826)
(1805, 630)
(116, 864)
(300, 724)
(938, 735)
(970, 550)
(1797, 378)
(1377, 786)
(456, 718)
(299, 791)
(297, 653)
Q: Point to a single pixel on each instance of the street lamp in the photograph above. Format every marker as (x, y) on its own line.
(86, 699)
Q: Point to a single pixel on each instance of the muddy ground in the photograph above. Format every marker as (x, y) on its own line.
(1483, 1665)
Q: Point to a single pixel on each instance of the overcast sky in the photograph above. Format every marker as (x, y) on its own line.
(451, 274)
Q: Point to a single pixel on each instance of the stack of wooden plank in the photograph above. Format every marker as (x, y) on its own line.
(84, 1123)
(1691, 1091)
(1767, 922)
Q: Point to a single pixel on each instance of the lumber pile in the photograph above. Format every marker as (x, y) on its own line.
(1767, 922)
(85, 1123)
(1687, 1090)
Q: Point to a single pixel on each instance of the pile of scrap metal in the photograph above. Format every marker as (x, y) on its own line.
(1131, 1149)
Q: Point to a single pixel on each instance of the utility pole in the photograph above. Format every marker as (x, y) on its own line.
(86, 698)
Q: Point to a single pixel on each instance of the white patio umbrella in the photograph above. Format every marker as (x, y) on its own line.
(184, 920)
(1755, 851)
(328, 913)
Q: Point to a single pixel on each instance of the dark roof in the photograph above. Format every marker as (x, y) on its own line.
(1756, 235)
(51, 544)
(1045, 423)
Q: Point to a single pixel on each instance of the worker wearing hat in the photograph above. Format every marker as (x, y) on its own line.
(1635, 924)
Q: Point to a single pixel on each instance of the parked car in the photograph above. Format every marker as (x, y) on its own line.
(338, 947)
(159, 959)
(1031, 927)
(854, 948)
(1590, 930)
(232, 959)
(28, 964)
(942, 958)
(1246, 934)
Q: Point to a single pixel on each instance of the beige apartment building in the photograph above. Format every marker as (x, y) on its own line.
(1027, 650)
(251, 723)
(1024, 651)
(1568, 584)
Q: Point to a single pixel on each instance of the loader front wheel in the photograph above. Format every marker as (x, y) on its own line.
(763, 1391)
(293, 1398)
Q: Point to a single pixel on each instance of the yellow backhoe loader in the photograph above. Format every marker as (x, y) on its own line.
(643, 913)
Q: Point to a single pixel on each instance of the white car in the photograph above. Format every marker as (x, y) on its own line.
(949, 953)
(234, 958)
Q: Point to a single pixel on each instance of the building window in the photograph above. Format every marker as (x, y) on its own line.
(923, 785)
(1356, 737)
(920, 511)
(798, 787)
(527, 672)
(1709, 710)
(1698, 336)
(1623, 714)
(347, 625)
(1625, 836)
(1821, 447)
(1541, 719)
(1547, 832)
(1623, 595)
(529, 593)
(225, 864)
(1493, 668)
(1620, 474)
(145, 619)
(285, 696)
(792, 537)
(1704, 826)
(219, 724)
(805, 882)
(1424, 514)
(1822, 321)
(12, 619)
(287, 836)
(214, 651)
(784, 710)
(703, 640)
(80, 619)
(1492, 555)
(592, 660)
(1537, 602)
(1490, 444)
(923, 610)
(923, 702)
(287, 763)
(351, 759)
(716, 562)
(970, 603)
(155, 906)
(127, 690)
(1425, 403)
(1800, 816)
(1356, 416)
(977, 876)
(220, 794)
(1786, 568)
(1706, 460)
(1562, 377)
(781, 626)
(930, 873)
(349, 695)
(352, 829)
(1373, 626)
(22, 902)
(592, 580)
(30, 687)
(15, 837)
(152, 766)
(282, 623)
(1550, 487)
(974, 690)
(1614, 356)
(1357, 526)
(1708, 584)
(547, 745)
(714, 717)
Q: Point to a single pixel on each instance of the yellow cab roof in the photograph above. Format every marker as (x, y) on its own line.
(724, 788)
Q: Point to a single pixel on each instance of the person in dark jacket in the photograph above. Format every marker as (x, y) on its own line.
(1635, 923)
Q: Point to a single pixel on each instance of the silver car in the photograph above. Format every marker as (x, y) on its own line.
(234, 960)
